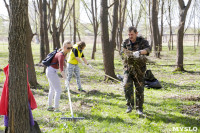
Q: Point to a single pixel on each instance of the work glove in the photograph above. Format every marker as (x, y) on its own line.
(63, 74)
(136, 54)
(90, 66)
(83, 63)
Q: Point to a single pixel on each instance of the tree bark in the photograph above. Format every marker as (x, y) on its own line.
(29, 59)
(106, 47)
(55, 33)
(114, 27)
(42, 39)
(198, 35)
(74, 22)
(45, 30)
(122, 12)
(95, 26)
(182, 16)
(161, 26)
(156, 35)
(151, 29)
(170, 26)
(46, 38)
(18, 97)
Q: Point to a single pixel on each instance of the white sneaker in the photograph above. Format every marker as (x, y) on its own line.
(139, 112)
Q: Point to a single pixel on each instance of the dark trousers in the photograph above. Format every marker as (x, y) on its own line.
(138, 79)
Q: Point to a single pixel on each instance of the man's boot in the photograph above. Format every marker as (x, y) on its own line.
(140, 112)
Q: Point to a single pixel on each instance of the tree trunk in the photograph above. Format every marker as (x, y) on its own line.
(170, 25)
(139, 16)
(194, 29)
(94, 46)
(106, 47)
(18, 97)
(46, 37)
(114, 26)
(45, 29)
(61, 27)
(42, 39)
(155, 29)
(29, 59)
(161, 26)
(63, 36)
(122, 12)
(150, 21)
(74, 22)
(55, 33)
(79, 36)
(95, 26)
(198, 35)
(182, 16)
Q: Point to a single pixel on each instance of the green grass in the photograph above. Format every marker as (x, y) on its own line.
(104, 105)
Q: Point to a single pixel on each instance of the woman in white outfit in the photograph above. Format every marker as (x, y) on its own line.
(54, 80)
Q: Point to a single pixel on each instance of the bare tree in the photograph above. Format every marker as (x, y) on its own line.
(56, 28)
(94, 20)
(74, 22)
(95, 25)
(107, 49)
(198, 35)
(114, 26)
(182, 16)
(46, 38)
(161, 26)
(133, 17)
(122, 13)
(170, 42)
(155, 29)
(18, 97)
(42, 38)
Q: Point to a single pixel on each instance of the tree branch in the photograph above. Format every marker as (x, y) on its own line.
(7, 6)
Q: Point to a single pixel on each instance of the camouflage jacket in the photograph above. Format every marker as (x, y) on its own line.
(127, 53)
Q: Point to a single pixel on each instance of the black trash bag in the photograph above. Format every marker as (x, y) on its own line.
(151, 81)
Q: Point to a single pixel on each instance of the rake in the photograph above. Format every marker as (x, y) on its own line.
(72, 118)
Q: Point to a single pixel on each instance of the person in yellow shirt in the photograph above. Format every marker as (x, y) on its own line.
(73, 61)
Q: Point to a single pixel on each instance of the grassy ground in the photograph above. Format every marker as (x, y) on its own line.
(176, 105)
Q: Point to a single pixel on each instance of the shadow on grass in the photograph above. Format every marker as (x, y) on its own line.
(101, 119)
(102, 94)
(103, 101)
(169, 118)
(193, 72)
(173, 86)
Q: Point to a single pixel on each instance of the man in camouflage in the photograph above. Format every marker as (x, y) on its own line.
(134, 50)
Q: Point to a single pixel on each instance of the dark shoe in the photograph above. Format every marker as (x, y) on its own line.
(139, 111)
(81, 90)
(50, 109)
(129, 109)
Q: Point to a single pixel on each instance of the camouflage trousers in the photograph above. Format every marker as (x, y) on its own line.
(76, 70)
(131, 77)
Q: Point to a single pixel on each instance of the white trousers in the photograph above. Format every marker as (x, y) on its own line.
(55, 87)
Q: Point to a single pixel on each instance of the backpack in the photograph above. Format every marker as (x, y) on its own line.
(48, 59)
